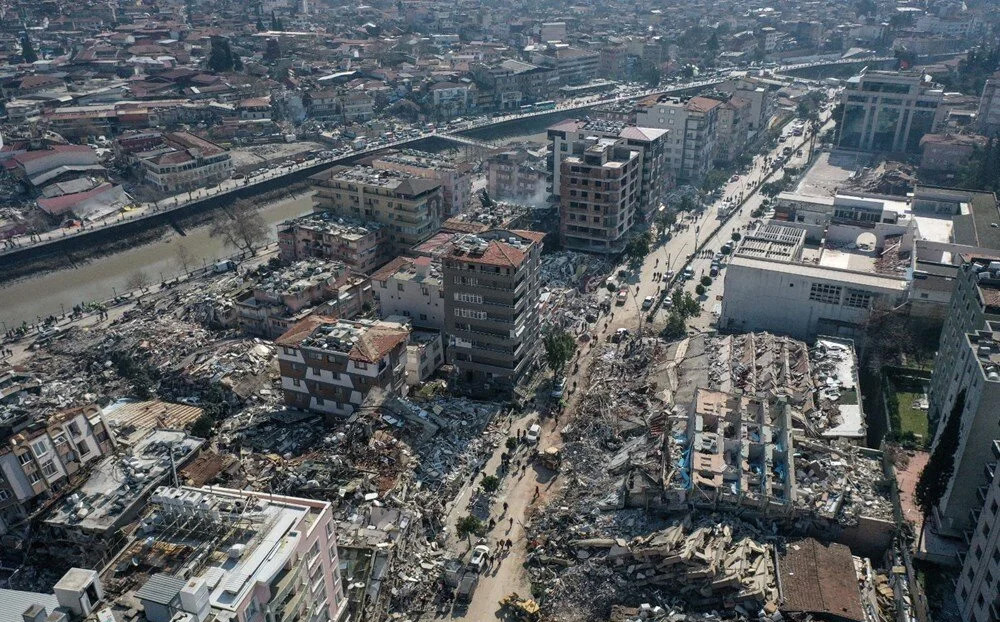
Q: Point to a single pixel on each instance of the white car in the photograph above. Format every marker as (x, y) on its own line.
(647, 302)
(533, 433)
(478, 559)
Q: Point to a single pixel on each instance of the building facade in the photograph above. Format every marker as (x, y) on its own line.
(988, 116)
(491, 293)
(888, 111)
(455, 177)
(977, 588)
(408, 207)
(693, 126)
(362, 247)
(411, 288)
(331, 366)
(598, 195)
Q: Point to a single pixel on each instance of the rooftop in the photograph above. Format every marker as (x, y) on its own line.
(329, 223)
(118, 483)
(364, 340)
(403, 183)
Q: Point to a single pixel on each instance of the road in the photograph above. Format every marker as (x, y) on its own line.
(145, 210)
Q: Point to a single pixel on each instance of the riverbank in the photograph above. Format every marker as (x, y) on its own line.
(101, 275)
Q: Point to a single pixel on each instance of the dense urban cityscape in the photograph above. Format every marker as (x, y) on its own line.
(530, 311)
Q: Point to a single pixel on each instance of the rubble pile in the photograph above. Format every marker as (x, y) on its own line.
(763, 364)
(569, 269)
(842, 483)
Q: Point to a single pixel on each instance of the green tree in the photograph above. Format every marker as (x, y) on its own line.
(664, 220)
(559, 349)
(221, 56)
(260, 25)
(736, 236)
(469, 525)
(636, 249)
(706, 281)
(28, 49)
(202, 427)
(490, 484)
(700, 289)
(933, 481)
(272, 50)
(675, 328)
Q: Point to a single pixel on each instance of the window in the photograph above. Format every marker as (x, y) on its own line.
(296, 382)
(319, 401)
(34, 477)
(470, 313)
(473, 298)
(361, 364)
(58, 440)
(83, 447)
(315, 371)
(40, 448)
(49, 469)
(994, 507)
(858, 299)
(828, 294)
(73, 429)
(4, 495)
(24, 458)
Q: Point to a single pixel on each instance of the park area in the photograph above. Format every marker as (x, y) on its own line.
(906, 400)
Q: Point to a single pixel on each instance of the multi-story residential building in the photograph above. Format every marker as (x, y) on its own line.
(362, 247)
(519, 174)
(613, 61)
(693, 125)
(331, 366)
(347, 106)
(83, 525)
(407, 206)
(424, 355)
(491, 293)
(357, 107)
(888, 111)
(973, 395)
(651, 144)
(411, 288)
(598, 195)
(733, 129)
(759, 95)
(454, 176)
(178, 161)
(43, 458)
(828, 291)
(513, 82)
(450, 99)
(977, 587)
(272, 305)
(988, 116)
(281, 564)
(975, 300)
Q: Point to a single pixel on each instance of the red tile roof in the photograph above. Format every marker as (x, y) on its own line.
(820, 579)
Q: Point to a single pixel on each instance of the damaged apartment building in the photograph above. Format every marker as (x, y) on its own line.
(362, 247)
(280, 298)
(331, 366)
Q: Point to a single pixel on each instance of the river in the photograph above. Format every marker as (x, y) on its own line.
(98, 279)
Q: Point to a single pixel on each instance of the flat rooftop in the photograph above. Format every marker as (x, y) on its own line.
(830, 171)
(119, 483)
(327, 222)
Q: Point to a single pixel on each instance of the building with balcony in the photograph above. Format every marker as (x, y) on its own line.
(177, 161)
(279, 300)
(977, 588)
(454, 176)
(411, 288)
(361, 247)
(491, 293)
(598, 195)
(331, 366)
(650, 144)
(888, 111)
(692, 123)
(233, 555)
(519, 174)
(407, 206)
(43, 458)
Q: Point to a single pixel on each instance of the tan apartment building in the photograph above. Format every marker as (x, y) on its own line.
(330, 366)
(411, 288)
(407, 206)
(362, 247)
(491, 293)
(598, 195)
(455, 177)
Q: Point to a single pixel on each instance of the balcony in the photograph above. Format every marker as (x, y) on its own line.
(981, 493)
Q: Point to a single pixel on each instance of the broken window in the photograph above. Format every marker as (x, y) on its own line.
(828, 294)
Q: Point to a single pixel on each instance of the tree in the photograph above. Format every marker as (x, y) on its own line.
(675, 328)
(276, 24)
(27, 49)
(202, 426)
(706, 281)
(636, 249)
(240, 227)
(469, 525)
(272, 50)
(260, 25)
(490, 484)
(138, 280)
(933, 481)
(700, 289)
(736, 236)
(221, 56)
(665, 219)
(559, 349)
(184, 257)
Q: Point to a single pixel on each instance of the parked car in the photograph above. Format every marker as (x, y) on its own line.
(621, 297)
(534, 432)
(620, 334)
(558, 388)
(478, 559)
(647, 302)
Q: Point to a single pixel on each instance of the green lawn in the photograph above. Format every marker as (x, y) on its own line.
(911, 418)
